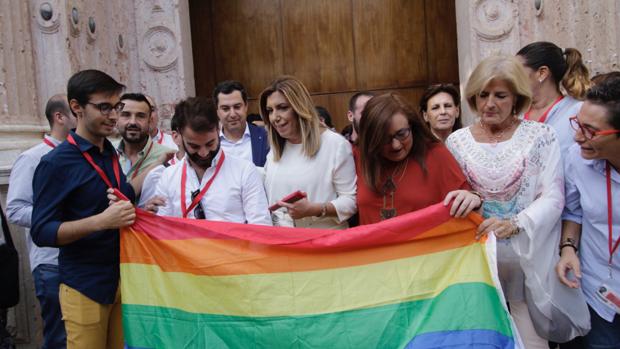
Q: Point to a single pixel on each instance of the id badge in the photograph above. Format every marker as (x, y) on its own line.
(610, 297)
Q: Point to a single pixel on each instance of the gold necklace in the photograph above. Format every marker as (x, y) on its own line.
(495, 139)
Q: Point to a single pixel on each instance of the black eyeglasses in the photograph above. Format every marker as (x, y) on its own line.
(199, 213)
(106, 108)
(401, 135)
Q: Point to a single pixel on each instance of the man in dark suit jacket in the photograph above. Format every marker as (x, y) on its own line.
(237, 137)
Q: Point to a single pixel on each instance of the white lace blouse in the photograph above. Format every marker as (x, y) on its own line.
(522, 178)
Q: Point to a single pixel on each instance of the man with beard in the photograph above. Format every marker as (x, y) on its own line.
(354, 114)
(137, 151)
(208, 183)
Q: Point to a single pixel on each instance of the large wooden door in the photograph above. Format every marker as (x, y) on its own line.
(336, 47)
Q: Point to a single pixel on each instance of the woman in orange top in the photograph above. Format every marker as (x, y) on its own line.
(402, 167)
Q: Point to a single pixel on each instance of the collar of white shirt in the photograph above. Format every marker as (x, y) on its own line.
(598, 165)
(52, 139)
(246, 134)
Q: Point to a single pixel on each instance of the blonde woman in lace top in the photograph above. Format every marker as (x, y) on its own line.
(516, 166)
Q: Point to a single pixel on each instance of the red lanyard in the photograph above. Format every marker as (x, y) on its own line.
(612, 247)
(198, 197)
(135, 172)
(48, 142)
(543, 118)
(102, 174)
(161, 137)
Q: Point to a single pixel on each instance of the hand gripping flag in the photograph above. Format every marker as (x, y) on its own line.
(420, 280)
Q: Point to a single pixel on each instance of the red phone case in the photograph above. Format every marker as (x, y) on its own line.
(290, 198)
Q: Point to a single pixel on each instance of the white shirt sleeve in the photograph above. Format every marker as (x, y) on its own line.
(254, 198)
(162, 189)
(19, 197)
(149, 186)
(344, 180)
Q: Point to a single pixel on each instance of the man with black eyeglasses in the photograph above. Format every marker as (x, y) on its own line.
(71, 211)
(208, 183)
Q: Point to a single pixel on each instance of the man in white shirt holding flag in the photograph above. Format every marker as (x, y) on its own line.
(207, 183)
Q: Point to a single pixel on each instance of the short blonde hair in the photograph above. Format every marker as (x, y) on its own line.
(299, 98)
(505, 68)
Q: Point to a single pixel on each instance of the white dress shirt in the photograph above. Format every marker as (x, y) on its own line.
(586, 204)
(236, 194)
(241, 148)
(19, 200)
(165, 140)
(149, 186)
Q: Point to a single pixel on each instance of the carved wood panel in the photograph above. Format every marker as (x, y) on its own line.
(247, 41)
(335, 47)
(318, 45)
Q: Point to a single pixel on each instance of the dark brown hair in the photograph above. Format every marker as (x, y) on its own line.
(450, 89)
(373, 136)
(607, 94)
(197, 113)
(566, 66)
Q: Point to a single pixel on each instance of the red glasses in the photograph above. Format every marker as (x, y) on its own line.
(589, 132)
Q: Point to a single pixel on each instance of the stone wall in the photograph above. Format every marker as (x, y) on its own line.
(490, 26)
(145, 44)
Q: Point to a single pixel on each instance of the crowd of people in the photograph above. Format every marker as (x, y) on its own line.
(541, 164)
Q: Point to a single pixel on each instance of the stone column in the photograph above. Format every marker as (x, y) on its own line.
(485, 27)
(166, 64)
(20, 121)
(20, 127)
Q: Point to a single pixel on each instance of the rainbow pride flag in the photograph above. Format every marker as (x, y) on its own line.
(416, 281)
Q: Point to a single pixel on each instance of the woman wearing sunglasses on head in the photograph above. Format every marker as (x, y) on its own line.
(591, 217)
(402, 167)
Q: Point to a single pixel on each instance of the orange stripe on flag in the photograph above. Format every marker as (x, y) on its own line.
(237, 257)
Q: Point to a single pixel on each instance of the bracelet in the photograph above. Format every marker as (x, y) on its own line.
(479, 197)
(515, 223)
(323, 210)
(568, 242)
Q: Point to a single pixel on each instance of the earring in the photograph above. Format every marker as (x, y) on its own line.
(514, 110)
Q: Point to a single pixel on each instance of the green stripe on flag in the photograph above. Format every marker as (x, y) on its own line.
(460, 307)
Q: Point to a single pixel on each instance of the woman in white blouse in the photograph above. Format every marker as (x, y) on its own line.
(516, 166)
(306, 157)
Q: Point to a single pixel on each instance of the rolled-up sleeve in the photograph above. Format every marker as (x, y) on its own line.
(49, 190)
(572, 204)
